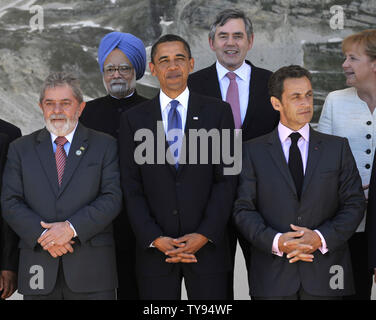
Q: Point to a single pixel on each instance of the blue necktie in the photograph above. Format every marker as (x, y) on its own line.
(174, 122)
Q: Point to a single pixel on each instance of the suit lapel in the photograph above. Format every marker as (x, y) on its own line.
(76, 153)
(279, 158)
(46, 156)
(212, 82)
(155, 116)
(193, 122)
(253, 96)
(314, 154)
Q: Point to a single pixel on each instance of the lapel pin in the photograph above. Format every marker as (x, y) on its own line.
(195, 118)
(82, 148)
(78, 152)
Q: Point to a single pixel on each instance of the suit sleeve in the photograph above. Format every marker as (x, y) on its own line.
(325, 123)
(247, 219)
(94, 217)
(337, 230)
(24, 221)
(144, 225)
(9, 239)
(371, 219)
(218, 210)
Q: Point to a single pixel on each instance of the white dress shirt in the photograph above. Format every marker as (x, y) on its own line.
(243, 78)
(182, 107)
(303, 144)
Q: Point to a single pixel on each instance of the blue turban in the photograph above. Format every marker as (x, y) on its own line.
(131, 46)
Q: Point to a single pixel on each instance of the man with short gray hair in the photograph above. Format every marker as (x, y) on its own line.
(239, 82)
(61, 191)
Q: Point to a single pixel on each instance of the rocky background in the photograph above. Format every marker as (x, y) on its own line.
(286, 32)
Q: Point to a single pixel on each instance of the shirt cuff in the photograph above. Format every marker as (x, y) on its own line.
(275, 249)
(323, 248)
(74, 230)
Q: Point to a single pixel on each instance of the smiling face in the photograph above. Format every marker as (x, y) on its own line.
(358, 67)
(231, 43)
(171, 66)
(61, 110)
(296, 106)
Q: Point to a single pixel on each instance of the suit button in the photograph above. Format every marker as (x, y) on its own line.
(368, 136)
(175, 212)
(369, 123)
(368, 151)
(368, 166)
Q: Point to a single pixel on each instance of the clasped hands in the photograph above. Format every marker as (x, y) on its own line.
(182, 249)
(57, 240)
(299, 244)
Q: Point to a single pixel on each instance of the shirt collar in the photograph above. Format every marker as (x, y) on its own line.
(241, 72)
(182, 98)
(284, 132)
(69, 136)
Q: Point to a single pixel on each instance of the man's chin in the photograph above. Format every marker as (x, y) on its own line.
(60, 131)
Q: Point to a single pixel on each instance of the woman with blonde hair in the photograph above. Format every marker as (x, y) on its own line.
(350, 113)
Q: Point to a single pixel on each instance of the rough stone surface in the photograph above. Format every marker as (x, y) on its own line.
(286, 32)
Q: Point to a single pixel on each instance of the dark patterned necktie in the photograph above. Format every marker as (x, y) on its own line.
(60, 157)
(296, 163)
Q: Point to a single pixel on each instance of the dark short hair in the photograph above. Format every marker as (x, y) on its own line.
(228, 14)
(275, 83)
(169, 38)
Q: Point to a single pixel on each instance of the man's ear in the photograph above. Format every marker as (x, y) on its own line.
(151, 67)
(276, 103)
(82, 106)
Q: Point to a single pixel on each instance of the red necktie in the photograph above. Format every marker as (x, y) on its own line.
(60, 157)
(232, 97)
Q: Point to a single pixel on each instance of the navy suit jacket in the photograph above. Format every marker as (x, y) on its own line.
(163, 201)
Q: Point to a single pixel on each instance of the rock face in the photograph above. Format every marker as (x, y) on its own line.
(286, 32)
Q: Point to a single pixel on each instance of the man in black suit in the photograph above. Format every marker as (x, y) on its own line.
(299, 195)
(122, 61)
(231, 37)
(60, 193)
(9, 239)
(178, 210)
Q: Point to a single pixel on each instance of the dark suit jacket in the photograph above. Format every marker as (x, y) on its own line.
(89, 197)
(161, 201)
(261, 118)
(8, 238)
(371, 219)
(332, 202)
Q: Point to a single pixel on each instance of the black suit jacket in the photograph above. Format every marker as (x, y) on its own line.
(371, 219)
(261, 118)
(163, 201)
(89, 197)
(332, 202)
(8, 238)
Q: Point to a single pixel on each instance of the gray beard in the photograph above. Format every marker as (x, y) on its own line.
(120, 90)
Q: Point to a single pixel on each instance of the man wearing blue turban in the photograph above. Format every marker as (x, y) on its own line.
(122, 61)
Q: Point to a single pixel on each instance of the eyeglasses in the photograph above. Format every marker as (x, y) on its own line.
(123, 70)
